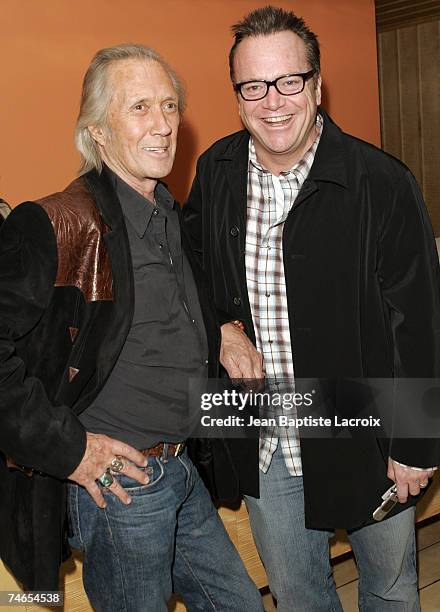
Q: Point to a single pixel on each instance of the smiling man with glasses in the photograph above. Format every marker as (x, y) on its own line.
(320, 256)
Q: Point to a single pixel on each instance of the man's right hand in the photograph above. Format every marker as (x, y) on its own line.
(100, 452)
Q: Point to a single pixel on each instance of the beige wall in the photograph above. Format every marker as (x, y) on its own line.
(46, 46)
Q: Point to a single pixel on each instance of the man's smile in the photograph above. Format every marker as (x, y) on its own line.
(156, 149)
(278, 120)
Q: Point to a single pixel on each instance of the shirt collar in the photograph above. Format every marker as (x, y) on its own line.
(135, 207)
(303, 164)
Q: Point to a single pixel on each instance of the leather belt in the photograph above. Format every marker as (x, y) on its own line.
(164, 450)
(160, 450)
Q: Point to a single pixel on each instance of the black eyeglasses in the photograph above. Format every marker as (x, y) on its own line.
(287, 85)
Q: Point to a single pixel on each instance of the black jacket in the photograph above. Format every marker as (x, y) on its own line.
(66, 304)
(362, 281)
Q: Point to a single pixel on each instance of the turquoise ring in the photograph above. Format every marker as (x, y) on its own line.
(106, 480)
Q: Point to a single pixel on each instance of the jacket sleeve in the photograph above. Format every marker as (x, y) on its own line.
(196, 219)
(33, 432)
(408, 272)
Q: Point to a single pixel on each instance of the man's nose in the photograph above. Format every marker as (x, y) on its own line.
(161, 124)
(273, 99)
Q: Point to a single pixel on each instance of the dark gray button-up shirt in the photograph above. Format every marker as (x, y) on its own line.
(145, 399)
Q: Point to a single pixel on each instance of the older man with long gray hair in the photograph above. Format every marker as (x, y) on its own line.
(103, 318)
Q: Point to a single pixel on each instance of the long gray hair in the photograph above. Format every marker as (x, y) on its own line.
(96, 96)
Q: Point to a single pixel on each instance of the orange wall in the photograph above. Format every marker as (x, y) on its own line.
(46, 46)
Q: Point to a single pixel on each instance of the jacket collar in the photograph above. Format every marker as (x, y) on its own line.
(236, 149)
(104, 194)
(116, 241)
(329, 164)
(236, 155)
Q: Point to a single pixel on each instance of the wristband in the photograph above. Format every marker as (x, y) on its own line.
(238, 323)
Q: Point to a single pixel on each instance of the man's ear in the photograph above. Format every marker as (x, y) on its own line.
(97, 133)
(318, 90)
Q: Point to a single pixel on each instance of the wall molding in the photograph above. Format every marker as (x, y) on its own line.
(394, 14)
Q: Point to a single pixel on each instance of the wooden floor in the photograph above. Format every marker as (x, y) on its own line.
(428, 545)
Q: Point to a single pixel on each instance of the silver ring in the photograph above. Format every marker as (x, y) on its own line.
(106, 480)
(117, 465)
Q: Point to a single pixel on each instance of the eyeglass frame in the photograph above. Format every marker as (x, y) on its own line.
(305, 77)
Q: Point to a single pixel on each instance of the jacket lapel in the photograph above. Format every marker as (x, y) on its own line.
(109, 321)
(118, 249)
(233, 162)
(328, 165)
(116, 239)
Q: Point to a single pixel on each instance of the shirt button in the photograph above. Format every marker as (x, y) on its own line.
(234, 231)
(206, 361)
(267, 295)
(155, 212)
(268, 247)
(237, 301)
(270, 341)
(160, 245)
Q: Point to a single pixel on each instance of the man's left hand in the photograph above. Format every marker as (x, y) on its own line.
(408, 480)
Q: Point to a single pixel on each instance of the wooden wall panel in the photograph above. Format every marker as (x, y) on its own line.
(409, 73)
(389, 93)
(408, 67)
(393, 14)
(429, 63)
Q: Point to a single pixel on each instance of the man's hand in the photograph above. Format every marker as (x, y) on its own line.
(100, 452)
(407, 479)
(238, 355)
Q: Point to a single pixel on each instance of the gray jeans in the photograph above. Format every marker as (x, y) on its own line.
(297, 559)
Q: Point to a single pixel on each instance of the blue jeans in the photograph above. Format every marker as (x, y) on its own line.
(170, 538)
(297, 559)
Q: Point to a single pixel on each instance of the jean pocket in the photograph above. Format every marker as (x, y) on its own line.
(75, 536)
(155, 473)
